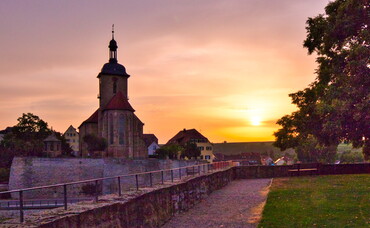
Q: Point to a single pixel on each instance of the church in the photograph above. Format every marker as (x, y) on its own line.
(114, 120)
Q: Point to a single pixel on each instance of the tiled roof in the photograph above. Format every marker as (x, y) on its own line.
(93, 118)
(119, 102)
(185, 136)
(149, 139)
(51, 138)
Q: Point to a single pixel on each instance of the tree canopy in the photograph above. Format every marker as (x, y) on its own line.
(190, 151)
(95, 144)
(26, 137)
(169, 151)
(336, 106)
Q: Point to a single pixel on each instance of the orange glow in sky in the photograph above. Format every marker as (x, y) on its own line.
(224, 67)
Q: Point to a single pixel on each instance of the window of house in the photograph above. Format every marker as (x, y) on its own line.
(51, 146)
(121, 129)
(208, 148)
(207, 157)
(201, 156)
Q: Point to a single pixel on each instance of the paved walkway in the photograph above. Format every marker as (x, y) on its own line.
(239, 204)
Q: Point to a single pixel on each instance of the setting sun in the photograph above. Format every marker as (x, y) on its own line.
(255, 120)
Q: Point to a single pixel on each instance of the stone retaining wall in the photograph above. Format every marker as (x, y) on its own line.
(150, 209)
(243, 172)
(27, 172)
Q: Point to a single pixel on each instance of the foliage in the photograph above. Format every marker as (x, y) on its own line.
(318, 201)
(26, 138)
(95, 143)
(190, 151)
(351, 157)
(4, 175)
(90, 189)
(336, 106)
(309, 150)
(170, 151)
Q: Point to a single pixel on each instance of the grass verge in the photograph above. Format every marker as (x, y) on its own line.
(318, 201)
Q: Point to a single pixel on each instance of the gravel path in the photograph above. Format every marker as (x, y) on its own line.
(239, 204)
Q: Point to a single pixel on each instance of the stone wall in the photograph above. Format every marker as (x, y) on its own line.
(149, 209)
(29, 172)
(243, 172)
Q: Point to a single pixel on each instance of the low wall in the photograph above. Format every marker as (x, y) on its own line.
(151, 209)
(27, 172)
(244, 172)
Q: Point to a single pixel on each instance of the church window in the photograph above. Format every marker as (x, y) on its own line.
(121, 129)
(114, 85)
(111, 135)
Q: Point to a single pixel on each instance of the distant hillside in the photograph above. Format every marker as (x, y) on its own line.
(249, 147)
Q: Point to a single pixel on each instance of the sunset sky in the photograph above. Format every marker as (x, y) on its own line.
(224, 67)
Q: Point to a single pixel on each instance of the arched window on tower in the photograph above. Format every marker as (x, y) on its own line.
(114, 85)
(111, 133)
(121, 129)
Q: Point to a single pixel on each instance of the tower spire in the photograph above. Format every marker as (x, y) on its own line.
(113, 48)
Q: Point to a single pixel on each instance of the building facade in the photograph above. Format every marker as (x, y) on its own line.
(72, 137)
(193, 136)
(151, 143)
(52, 146)
(114, 120)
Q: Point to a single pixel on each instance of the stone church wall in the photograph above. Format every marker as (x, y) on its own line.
(29, 172)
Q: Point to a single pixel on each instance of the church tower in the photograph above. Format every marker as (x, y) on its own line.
(115, 120)
(113, 77)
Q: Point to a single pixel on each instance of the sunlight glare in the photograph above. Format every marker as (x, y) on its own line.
(255, 120)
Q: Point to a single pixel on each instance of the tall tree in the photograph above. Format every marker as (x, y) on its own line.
(191, 151)
(26, 137)
(336, 106)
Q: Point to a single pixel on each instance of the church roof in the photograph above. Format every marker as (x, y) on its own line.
(113, 68)
(92, 119)
(119, 102)
(185, 136)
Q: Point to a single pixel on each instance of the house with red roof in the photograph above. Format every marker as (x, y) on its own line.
(114, 120)
(193, 136)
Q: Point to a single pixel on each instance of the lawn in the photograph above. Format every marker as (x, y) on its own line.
(318, 201)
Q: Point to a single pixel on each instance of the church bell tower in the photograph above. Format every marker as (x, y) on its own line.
(113, 77)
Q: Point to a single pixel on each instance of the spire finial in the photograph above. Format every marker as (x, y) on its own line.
(112, 31)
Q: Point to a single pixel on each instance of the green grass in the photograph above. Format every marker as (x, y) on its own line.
(318, 201)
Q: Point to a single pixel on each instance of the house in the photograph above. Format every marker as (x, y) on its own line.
(151, 142)
(52, 146)
(193, 136)
(72, 137)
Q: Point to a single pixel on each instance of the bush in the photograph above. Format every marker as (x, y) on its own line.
(4, 175)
